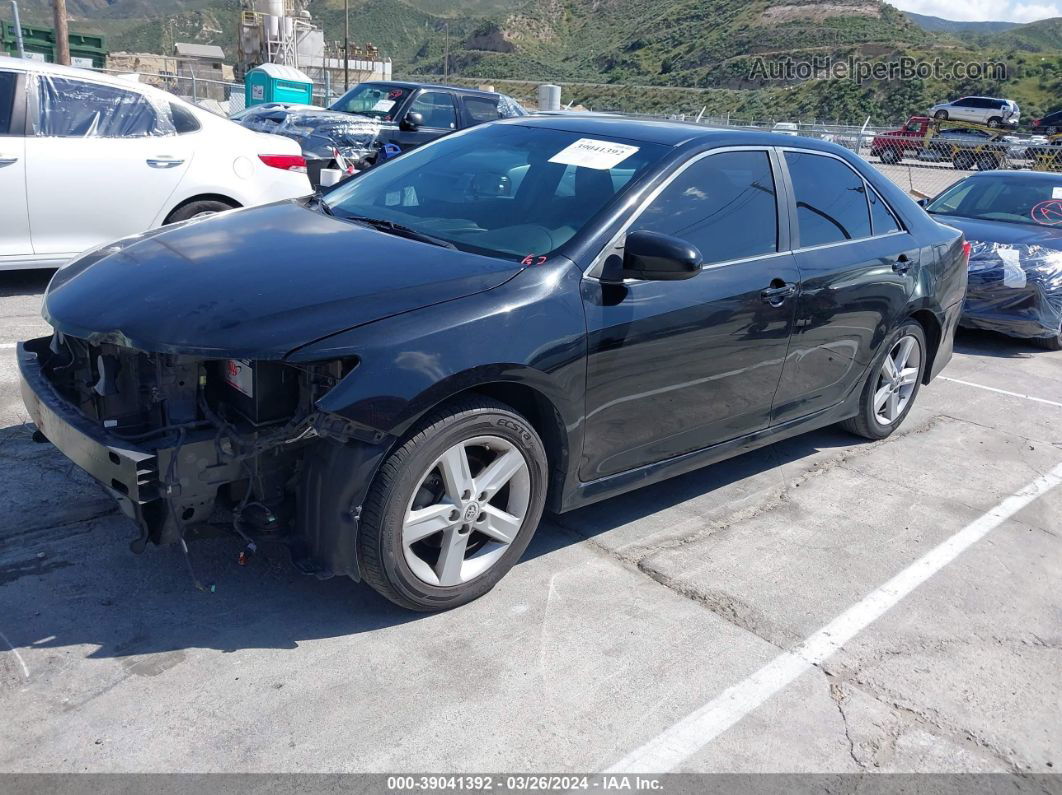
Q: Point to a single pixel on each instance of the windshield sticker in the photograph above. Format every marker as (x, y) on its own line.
(383, 106)
(1047, 213)
(1056, 193)
(591, 153)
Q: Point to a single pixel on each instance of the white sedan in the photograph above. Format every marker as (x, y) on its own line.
(87, 158)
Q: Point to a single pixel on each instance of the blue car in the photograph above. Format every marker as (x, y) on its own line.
(1013, 221)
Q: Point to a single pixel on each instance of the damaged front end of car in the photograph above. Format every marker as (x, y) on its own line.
(1015, 289)
(184, 441)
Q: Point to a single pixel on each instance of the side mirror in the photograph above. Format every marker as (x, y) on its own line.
(412, 122)
(923, 202)
(651, 256)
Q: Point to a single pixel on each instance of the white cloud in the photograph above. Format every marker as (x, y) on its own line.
(980, 10)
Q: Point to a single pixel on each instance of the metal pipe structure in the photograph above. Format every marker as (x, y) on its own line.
(346, 46)
(18, 30)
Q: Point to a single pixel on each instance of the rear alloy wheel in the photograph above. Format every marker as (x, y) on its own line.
(894, 381)
(453, 508)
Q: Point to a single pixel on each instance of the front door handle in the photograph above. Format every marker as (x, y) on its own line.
(902, 264)
(6, 160)
(163, 162)
(776, 294)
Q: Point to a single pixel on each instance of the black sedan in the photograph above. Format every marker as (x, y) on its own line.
(1013, 221)
(377, 120)
(401, 376)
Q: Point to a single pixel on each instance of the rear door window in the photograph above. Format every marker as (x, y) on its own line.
(7, 101)
(437, 108)
(79, 109)
(481, 109)
(831, 200)
(880, 215)
(724, 205)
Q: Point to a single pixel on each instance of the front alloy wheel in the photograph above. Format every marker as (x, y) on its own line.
(459, 524)
(455, 505)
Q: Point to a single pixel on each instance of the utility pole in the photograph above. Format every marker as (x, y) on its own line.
(446, 54)
(18, 30)
(62, 34)
(346, 46)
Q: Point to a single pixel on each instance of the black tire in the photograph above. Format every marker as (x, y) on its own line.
(941, 114)
(890, 155)
(865, 423)
(995, 122)
(380, 545)
(192, 209)
(964, 161)
(987, 162)
(1051, 343)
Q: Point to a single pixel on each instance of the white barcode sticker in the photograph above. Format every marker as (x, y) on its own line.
(591, 153)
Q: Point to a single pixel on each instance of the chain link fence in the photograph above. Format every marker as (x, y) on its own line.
(921, 165)
(217, 96)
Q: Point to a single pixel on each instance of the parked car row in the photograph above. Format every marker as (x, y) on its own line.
(86, 158)
(401, 373)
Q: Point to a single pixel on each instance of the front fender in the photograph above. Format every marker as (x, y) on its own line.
(530, 330)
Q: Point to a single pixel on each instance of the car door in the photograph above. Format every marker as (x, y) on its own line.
(963, 110)
(858, 269)
(679, 366)
(14, 215)
(101, 163)
(439, 115)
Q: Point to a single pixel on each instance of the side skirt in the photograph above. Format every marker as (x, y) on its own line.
(613, 485)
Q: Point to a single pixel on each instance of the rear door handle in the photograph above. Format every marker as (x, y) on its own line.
(163, 162)
(902, 264)
(6, 160)
(776, 294)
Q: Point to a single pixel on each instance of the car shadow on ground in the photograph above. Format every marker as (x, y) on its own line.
(24, 282)
(974, 342)
(77, 583)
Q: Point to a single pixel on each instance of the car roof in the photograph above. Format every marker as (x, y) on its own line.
(667, 133)
(440, 86)
(1019, 176)
(43, 67)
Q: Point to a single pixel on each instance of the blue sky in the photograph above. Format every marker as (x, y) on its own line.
(1007, 10)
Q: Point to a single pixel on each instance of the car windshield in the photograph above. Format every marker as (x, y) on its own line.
(502, 190)
(372, 99)
(1017, 200)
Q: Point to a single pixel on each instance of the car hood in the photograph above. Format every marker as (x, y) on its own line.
(256, 283)
(1002, 232)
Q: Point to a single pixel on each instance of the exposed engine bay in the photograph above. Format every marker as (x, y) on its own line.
(220, 442)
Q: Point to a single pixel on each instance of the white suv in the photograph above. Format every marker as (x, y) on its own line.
(991, 111)
(86, 158)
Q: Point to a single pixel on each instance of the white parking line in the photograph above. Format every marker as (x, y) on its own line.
(25, 668)
(4, 346)
(681, 741)
(1001, 391)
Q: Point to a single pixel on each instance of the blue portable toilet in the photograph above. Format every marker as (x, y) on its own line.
(273, 82)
